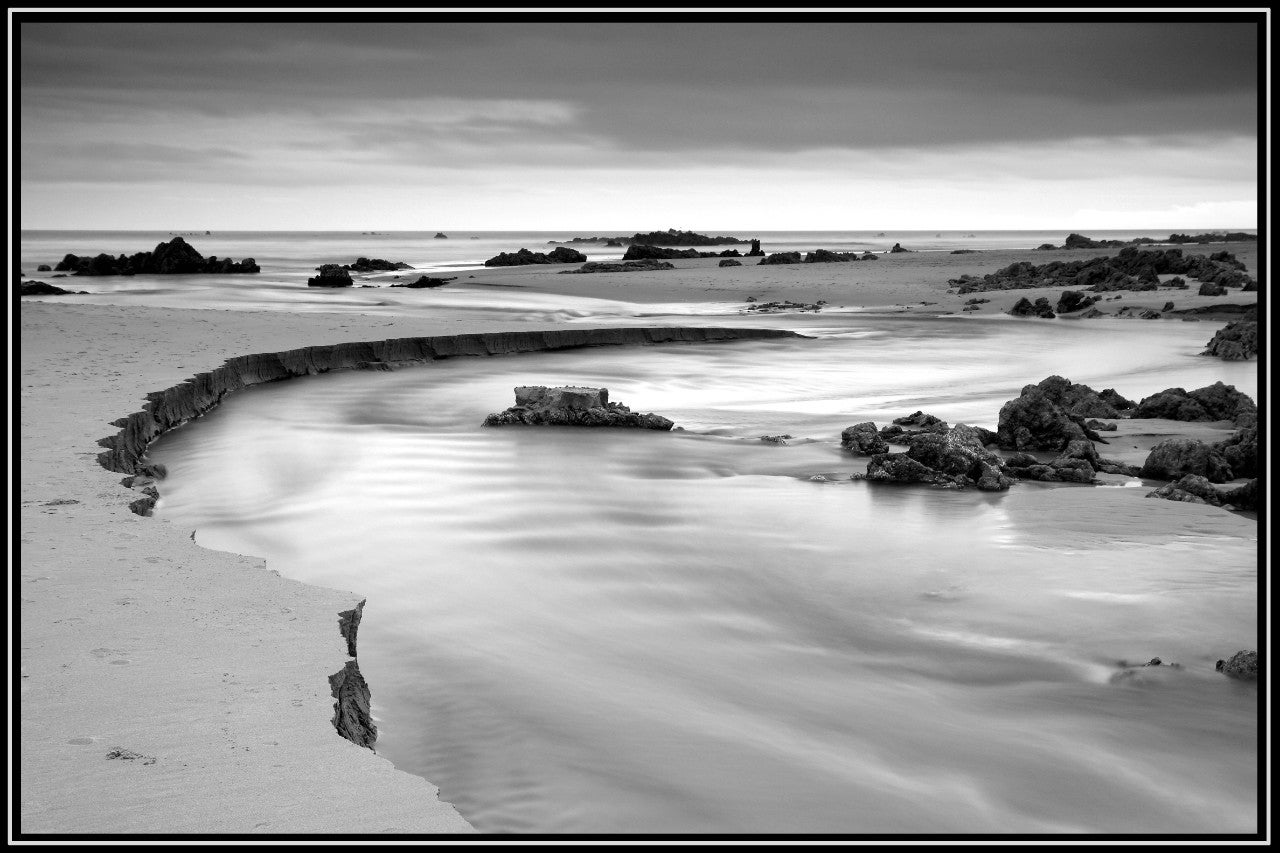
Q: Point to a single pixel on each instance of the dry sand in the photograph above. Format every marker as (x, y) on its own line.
(208, 666)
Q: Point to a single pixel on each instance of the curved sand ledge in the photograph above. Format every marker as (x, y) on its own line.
(134, 637)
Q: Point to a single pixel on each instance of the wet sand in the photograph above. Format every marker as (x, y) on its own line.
(209, 667)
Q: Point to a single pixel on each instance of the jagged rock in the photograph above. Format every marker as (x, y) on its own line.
(951, 460)
(376, 265)
(897, 247)
(426, 281)
(1131, 269)
(781, 258)
(863, 438)
(1033, 421)
(730, 262)
(1216, 402)
(826, 256)
(572, 406)
(349, 626)
(625, 266)
(1208, 288)
(1243, 665)
(1079, 400)
(1046, 247)
(923, 421)
(1024, 307)
(440, 235)
(1074, 300)
(1174, 458)
(756, 251)
(524, 257)
(44, 268)
(1237, 341)
(1242, 497)
(1101, 426)
(1241, 451)
(1168, 306)
(351, 715)
(175, 257)
(331, 275)
(642, 252)
(974, 435)
(1190, 489)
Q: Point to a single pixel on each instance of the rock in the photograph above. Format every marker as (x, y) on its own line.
(1190, 489)
(40, 288)
(1149, 314)
(1078, 400)
(1168, 306)
(44, 268)
(1131, 269)
(1242, 497)
(1237, 341)
(524, 257)
(672, 237)
(625, 266)
(869, 256)
(1074, 300)
(1241, 451)
(1174, 458)
(1033, 421)
(897, 247)
(863, 438)
(920, 419)
(1177, 282)
(756, 251)
(331, 275)
(572, 406)
(175, 257)
(826, 256)
(973, 435)
(426, 281)
(440, 235)
(781, 258)
(897, 468)
(949, 460)
(730, 262)
(1216, 402)
(1243, 665)
(1101, 426)
(775, 439)
(1208, 288)
(376, 265)
(1024, 307)
(1046, 247)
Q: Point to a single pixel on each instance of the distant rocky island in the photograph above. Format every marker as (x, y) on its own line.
(524, 257)
(670, 237)
(1131, 269)
(176, 257)
(1079, 241)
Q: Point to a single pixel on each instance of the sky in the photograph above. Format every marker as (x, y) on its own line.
(623, 126)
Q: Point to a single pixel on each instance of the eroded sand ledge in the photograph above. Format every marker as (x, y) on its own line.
(135, 637)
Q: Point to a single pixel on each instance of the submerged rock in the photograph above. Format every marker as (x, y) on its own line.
(572, 406)
(1190, 489)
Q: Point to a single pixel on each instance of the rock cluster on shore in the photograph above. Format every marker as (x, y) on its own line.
(1131, 269)
(645, 252)
(376, 265)
(524, 257)
(572, 406)
(625, 266)
(176, 257)
(1237, 341)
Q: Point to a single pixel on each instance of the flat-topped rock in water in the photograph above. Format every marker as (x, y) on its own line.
(176, 257)
(572, 406)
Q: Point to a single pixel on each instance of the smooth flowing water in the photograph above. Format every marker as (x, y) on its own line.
(625, 631)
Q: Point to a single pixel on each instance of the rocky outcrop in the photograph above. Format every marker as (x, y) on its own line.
(176, 257)
(730, 262)
(1241, 451)
(625, 266)
(1079, 241)
(1192, 488)
(1131, 269)
(643, 252)
(40, 288)
(863, 438)
(756, 251)
(376, 265)
(1216, 402)
(951, 460)
(440, 235)
(426, 281)
(673, 237)
(897, 248)
(1237, 341)
(826, 256)
(1242, 665)
(1214, 237)
(1210, 288)
(781, 258)
(164, 410)
(1074, 300)
(349, 625)
(331, 275)
(1081, 400)
(1174, 458)
(524, 257)
(538, 405)
(1024, 307)
(351, 715)
(1034, 421)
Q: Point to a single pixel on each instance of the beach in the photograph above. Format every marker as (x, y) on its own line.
(206, 672)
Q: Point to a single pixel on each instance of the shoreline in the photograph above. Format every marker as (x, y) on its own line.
(176, 645)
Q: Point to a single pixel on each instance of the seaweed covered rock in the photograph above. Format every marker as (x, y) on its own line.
(572, 406)
(426, 281)
(1174, 458)
(1237, 341)
(863, 438)
(376, 265)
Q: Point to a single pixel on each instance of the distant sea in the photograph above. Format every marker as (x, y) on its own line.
(299, 252)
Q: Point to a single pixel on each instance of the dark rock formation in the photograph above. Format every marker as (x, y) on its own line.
(1214, 237)
(440, 235)
(964, 251)
(426, 281)
(781, 258)
(897, 247)
(672, 237)
(863, 438)
(40, 288)
(349, 625)
(1024, 307)
(869, 256)
(331, 275)
(1033, 421)
(351, 715)
(625, 266)
(1243, 665)
(642, 252)
(1216, 402)
(1236, 342)
(1080, 400)
(1241, 497)
(1174, 458)
(1046, 247)
(523, 257)
(1210, 288)
(923, 421)
(1241, 451)
(950, 460)
(1130, 269)
(1079, 241)
(730, 262)
(785, 307)
(1074, 300)
(44, 268)
(756, 251)
(826, 256)
(572, 406)
(1100, 426)
(176, 257)
(1192, 488)
(376, 265)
